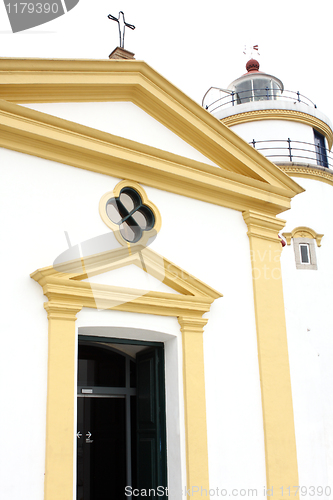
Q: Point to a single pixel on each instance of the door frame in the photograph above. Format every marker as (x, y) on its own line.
(102, 341)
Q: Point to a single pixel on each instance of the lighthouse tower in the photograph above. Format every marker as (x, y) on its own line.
(289, 130)
(284, 125)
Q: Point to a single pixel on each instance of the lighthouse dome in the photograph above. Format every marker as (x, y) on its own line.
(255, 85)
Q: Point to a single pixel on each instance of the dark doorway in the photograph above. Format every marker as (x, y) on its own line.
(121, 438)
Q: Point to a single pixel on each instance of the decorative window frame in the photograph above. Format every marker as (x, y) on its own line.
(115, 227)
(304, 235)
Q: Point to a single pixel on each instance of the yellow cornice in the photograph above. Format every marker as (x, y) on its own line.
(53, 138)
(318, 174)
(40, 80)
(281, 114)
(62, 311)
(97, 296)
(262, 226)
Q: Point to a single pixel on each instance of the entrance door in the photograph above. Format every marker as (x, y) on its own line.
(115, 449)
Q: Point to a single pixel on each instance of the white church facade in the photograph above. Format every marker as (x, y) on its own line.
(166, 309)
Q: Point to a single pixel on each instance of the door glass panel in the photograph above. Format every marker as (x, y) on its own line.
(100, 367)
(132, 374)
(101, 451)
(133, 442)
(80, 450)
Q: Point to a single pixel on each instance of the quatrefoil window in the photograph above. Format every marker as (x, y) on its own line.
(129, 213)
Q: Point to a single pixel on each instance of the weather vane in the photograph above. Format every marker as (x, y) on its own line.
(125, 24)
(251, 49)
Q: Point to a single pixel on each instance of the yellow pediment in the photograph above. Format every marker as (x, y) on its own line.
(65, 281)
(243, 179)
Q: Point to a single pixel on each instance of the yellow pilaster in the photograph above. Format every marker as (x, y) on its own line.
(278, 418)
(195, 406)
(60, 401)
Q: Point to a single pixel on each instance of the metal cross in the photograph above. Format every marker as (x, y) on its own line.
(121, 35)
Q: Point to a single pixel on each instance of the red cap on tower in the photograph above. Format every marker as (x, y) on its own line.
(252, 65)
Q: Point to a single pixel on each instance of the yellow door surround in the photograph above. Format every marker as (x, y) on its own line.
(67, 295)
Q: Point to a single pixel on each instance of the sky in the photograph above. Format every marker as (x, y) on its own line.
(195, 45)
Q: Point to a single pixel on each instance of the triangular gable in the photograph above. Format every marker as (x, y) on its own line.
(133, 277)
(122, 119)
(135, 81)
(67, 280)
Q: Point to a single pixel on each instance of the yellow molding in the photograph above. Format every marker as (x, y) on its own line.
(62, 310)
(263, 226)
(38, 134)
(277, 406)
(60, 412)
(40, 80)
(303, 232)
(97, 296)
(282, 114)
(197, 474)
(309, 172)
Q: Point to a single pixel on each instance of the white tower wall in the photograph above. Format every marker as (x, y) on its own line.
(271, 139)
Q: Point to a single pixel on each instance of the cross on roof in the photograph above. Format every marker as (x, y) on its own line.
(125, 24)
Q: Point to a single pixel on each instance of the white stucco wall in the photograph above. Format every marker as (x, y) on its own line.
(41, 200)
(308, 298)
